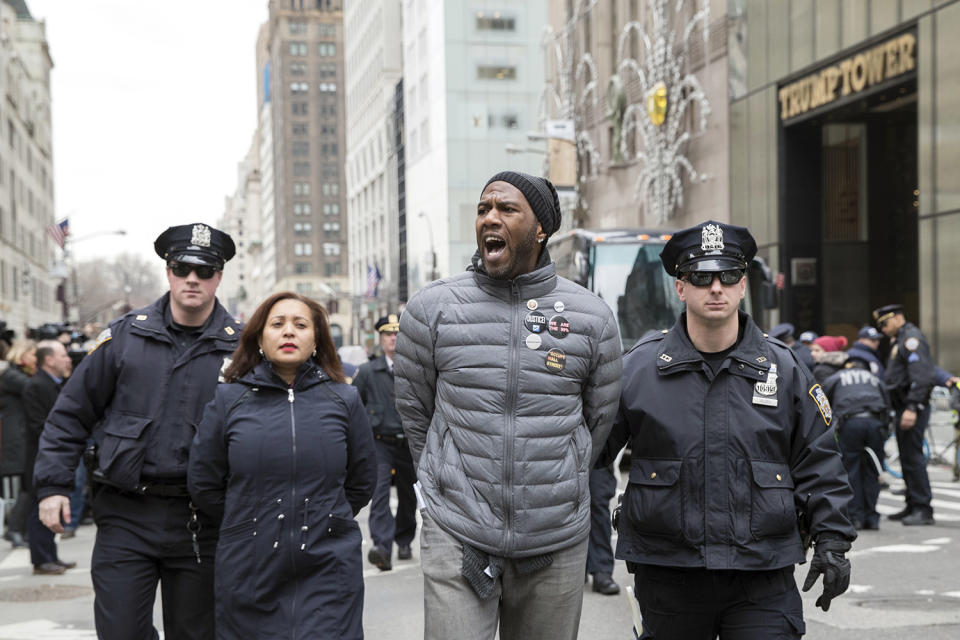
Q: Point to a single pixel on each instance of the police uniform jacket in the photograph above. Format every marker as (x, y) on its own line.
(864, 352)
(374, 381)
(140, 395)
(854, 390)
(910, 369)
(286, 467)
(720, 464)
(502, 416)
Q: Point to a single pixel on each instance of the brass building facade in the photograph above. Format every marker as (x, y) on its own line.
(843, 155)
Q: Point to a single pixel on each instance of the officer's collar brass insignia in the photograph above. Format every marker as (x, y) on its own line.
(142, 317)
(762, 359)
(200, 235)
(666, 358)
(711, 238)
(229, 331)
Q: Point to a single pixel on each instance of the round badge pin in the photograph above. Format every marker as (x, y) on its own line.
(534, 341)
(559, 327)
(556, 360)
(558, 306)
(535, 322)
(532, 304)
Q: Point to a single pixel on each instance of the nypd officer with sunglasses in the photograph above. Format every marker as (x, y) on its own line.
(140, 392)
(731, 440)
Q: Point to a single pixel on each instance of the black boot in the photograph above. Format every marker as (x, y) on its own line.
(604, 583)
(900, 515)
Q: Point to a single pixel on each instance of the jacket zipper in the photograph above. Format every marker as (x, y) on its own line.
(510, 422)
(293, 502)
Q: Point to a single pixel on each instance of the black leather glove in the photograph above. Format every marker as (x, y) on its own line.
(615, 516)
(828, 560)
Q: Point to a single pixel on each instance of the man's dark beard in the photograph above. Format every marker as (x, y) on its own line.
(528, 245)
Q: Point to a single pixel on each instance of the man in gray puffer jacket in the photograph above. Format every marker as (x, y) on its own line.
(508, 379)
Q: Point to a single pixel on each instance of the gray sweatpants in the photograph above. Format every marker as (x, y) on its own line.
(542, 605)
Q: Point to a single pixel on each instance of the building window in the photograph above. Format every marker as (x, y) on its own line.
(299, 108)
(302, 249)
(298, 88)
(300, 148)
(298, 27)
(496, 72)
(330, 188)
(298, 68)
(302, 267)
(304, 287)
(331, 227)
(301, 209)
(331, 209)
(301, 188)
(302, 228)
(495, 22)
(332, 268)
(331, 248)
(327, 87)
(328, 71)
(326, 49)
(301, 169)
(300, 129)
(298, 48)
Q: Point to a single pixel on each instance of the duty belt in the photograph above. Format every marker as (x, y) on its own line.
(155, 489)
(876, 415)
(391, 438)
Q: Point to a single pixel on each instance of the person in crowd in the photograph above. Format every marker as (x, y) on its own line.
(141, 392)
(861, 404)
(866, 348)
(784, 333)
(284, 457)
(39, 395)
(807, 337)
(20, 364)
(374, 381)
(603, 486)
(507, 379)
(829, 355)
(730, 436)
(909, 378)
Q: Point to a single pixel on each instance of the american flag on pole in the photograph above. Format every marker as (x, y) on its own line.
(59, 232)
(373, 280)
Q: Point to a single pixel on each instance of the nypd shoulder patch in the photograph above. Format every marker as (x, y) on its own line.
(911, 343)
(104, 336)
(826, 412)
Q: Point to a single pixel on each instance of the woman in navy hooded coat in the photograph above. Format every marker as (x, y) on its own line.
(285, 456)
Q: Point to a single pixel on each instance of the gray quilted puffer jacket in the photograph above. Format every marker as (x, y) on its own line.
(502, 426)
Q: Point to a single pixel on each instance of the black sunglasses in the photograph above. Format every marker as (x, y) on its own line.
(183, 269)
(705, 278)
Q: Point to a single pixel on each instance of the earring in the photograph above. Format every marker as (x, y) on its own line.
(540, 240)
(261, 352)
(314, 354)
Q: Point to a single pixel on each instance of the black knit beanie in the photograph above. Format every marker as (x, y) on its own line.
(539, 192)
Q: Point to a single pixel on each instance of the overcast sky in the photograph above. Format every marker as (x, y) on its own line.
(154, 104)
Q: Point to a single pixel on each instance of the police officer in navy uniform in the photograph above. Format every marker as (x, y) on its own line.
(868, 341)
(374, 381)
(731, 438)
(141, 392)
(603, 486)
(909, 379)
(860, 404)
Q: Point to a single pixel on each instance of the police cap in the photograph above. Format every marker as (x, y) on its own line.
(808, 336)
(781, 331)
(195, 244)
(869, 333)
(709, 246)
(388, 324)
(886, 312)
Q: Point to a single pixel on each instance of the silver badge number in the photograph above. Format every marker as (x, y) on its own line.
(765, 393)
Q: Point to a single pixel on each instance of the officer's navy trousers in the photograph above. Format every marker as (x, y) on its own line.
(43, 546)
(857, 434)
(603, 484)
(697, 604)
(384, 527)
(142, 540)
(912, 462)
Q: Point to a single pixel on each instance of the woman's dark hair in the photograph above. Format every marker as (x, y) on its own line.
(247, 355)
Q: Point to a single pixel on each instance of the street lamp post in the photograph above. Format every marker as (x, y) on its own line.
(433, 252)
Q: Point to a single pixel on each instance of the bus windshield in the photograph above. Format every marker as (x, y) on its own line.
(631, 280)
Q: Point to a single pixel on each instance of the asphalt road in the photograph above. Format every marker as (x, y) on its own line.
(905, 583)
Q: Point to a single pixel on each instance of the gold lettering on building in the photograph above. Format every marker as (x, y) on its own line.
(849, 76)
